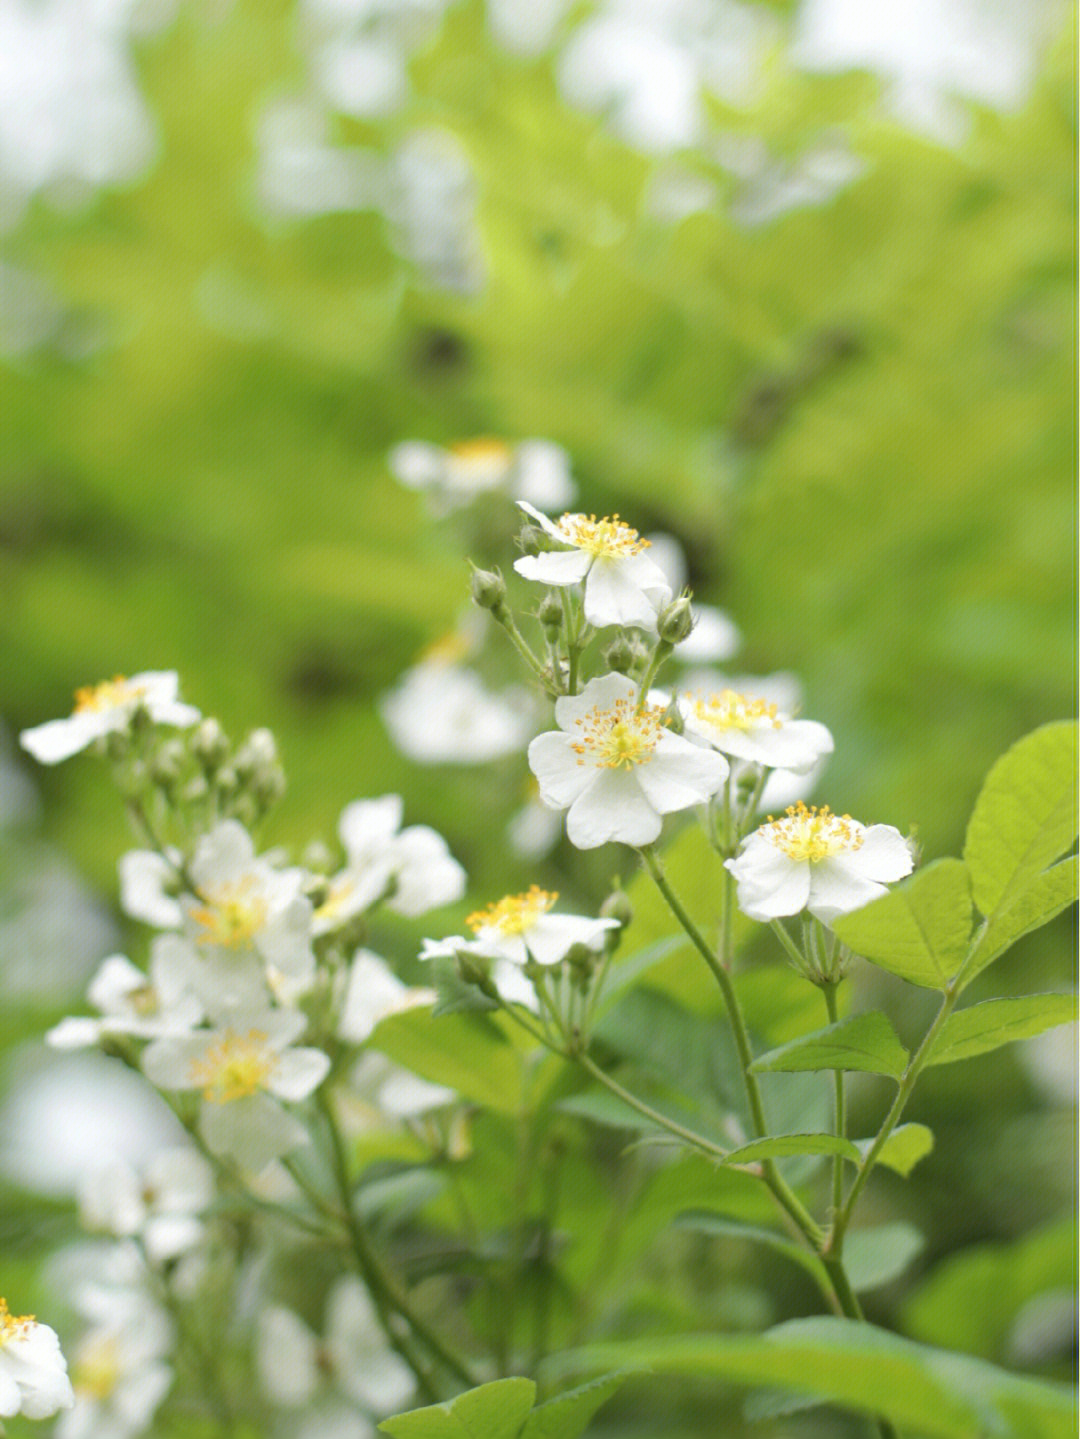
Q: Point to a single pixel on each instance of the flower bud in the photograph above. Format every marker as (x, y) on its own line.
(622, 653)
(167, 765)
(210, 744)
(675, 621)
(531, 540)
(319, 858)
(489, 590)
(550, 612)
(268, 785)
(227, 780)
(617, 906)
(195, 790)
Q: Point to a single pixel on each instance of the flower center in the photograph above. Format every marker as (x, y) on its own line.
(96, 1368)
(144, 999)
(729, 710)
(514, 914)
(235, 1067)
(812, 834)
(14, 1326)
(110, 694)
(233, 915)
(484, 458)
(619, 737)
(608, 538)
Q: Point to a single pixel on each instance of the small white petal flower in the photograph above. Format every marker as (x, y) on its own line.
(616, 768)
(104, 708)
(623, 586)
(147, 887)
(244, 906)
(756, 730)
(816, 860)
(132, 1002)
(373, 992)
(161, 1203)
(520, 927)
(242, 1071)
(442, 713)
(535, 469)
(118, 1372)
(33, 1372)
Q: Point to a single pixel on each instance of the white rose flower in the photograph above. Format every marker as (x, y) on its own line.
(755, 730)
(623, 586)
(243, 1071)
(104, 708)
(33, 1372)
(520, 927)
(244, 906)
(813, 859)
(454, 476)
(616, 768)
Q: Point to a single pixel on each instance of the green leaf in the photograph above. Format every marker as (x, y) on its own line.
(920, 930)
(864, 1042)
(567, 1415)
(455, 996)
(941, 1394)
(903, 1149)
(467, 1052)
(995, 1022)
(702, 1222)
(1046, 896)
(494, 1411)
(873, 1257)
(1024, 817)
(777, 1146)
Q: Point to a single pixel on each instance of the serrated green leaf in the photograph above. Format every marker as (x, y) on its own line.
(903, 1149)
(941, 1394)
(920, 929)
(873, 1257)
(467, 1052)
(567, 1415)
(777, 1146)
(1044, 898)
(864, 1042)
(702, 1222)
(995, 1022)
(1024, 817)
(493, 1411)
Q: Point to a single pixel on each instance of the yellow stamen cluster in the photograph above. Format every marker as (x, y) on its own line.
(812, 834)
(729, 710)
(235, 1067)
(110, 694)
(609, 538)
(481, 451)
(96, 1368)
(620, 736)
(14, 1326)
(232, 915)
(514, 914)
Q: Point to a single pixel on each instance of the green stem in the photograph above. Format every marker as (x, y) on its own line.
(794, 953)
(572, 649)
(517, 639)
(385, 1291)
(903, 1093)
(840, 1118)
(696, 1141)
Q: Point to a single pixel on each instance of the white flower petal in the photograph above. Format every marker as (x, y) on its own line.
(770, 883)
(680, 774)
(297, 1073)
(253, 1130)
(612, 808)
(367, 824)
(601, 693)
(554, 935)
(883, 855)
(555, 567)
(560, 777)
(835, 889)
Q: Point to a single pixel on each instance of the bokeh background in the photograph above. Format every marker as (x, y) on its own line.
(791, 282)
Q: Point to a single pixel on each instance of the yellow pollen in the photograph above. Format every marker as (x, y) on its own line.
(729, 710)
(14, 1326)
(232, 915)
(619, 737)
(96, 1368)
(812, 834)
(482, 451)
(144, 999)
(110, 694)
(336, 900)
(235, 1067)
(608, 538)
(514, 914)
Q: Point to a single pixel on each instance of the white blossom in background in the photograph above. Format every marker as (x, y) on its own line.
(119, 1370)
(300, 172)
(33, 1371)
(132, 1002)
(815, 860)
(148, 887)
(622, 585)
(534, 829)
(411, 869)
(715, 636)
(160, 1203)
(616, 768)
(442, 713)
(243, 1072)
(455, 475)
(768, 186)
(382, 1094)
(755, 730)
(107, 708)
(300, 1370)
(373, 991)
(245, 908)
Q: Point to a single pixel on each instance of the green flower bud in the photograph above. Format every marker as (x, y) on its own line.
(550, 612)
(210, 744)
(319, 858)
(617, 906)
(167, 766)
(531, 540)
(622, 653)
(489, 590)
(675, 621)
